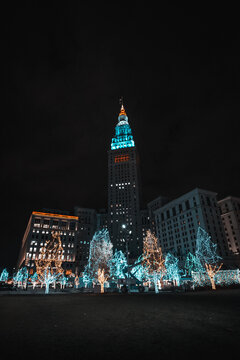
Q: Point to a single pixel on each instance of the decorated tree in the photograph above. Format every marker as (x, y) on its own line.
(100, 255)
(49, 263)
(48, 278)
(20, 277)
(87, 280)
(4, 275)
(192, 264)
(34, 279)
(118, 264)
(153, 260)
(138, 271)
(172, 269)
(62, 280)
(76, 281)
(206, 253)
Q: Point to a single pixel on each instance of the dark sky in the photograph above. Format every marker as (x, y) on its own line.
(63, 72)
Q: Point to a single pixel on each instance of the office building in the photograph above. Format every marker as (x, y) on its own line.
(38, 232)
(230, 215)
(177, 223)
(123, 190)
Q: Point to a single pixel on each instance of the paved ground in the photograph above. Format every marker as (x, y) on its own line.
(83, 326)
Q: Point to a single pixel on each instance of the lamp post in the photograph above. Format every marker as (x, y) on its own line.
(128, 279)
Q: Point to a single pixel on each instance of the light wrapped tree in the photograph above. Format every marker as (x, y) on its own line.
(76, 281)
(4, 275)
(20, 277)
(153, 260)
(171, 263)
(206, 253)
(138, 271)
(100, 255)
(87, 280)
(49, 262)
(118, 264)
(192, 264)
(34, 279)
(49, 277)
(62, 280)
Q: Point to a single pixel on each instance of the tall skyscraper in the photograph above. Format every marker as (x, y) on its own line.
(123, 190)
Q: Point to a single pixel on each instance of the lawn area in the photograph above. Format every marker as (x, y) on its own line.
(82, 326)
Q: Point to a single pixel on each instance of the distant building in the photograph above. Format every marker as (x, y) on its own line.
(123, 190)
(178, 220)
(230, 215)
(87, 224)
(38, 231)
(152, 207)
(102, 219)
(145, 222)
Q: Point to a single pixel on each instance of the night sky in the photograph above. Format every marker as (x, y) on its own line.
(64, 70)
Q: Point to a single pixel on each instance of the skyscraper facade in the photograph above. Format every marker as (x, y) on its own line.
(177, 223)
(230, 214)
(123, 190)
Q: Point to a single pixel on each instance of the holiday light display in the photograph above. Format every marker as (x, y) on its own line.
(20, 277)
(34, 280)
(153, 260)
(212, 270)
(118, 264)
(49, 263)
(4, 275)
(100, 255)
(192, 264)
(138, 271)
(206, 253)
(76, 281)
(172, 269)
(228, 277)
(49, 277)
(62, 280)
(206, 250)
(87, 280)
(222, 278)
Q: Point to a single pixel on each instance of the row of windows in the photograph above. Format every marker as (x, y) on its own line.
(54, 224)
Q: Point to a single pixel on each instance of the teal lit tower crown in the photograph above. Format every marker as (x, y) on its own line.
(123, 133)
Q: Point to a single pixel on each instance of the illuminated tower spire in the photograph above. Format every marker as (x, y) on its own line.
(122, 112)
(123, 133)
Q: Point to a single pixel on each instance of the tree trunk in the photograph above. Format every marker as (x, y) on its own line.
(212, 283)
(46, 288)
(102, 287)
(155, 284)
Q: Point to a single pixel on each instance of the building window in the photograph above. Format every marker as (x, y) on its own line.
(37, 222)
(46, 223)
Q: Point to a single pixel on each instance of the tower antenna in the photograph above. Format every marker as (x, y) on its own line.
(121, 100)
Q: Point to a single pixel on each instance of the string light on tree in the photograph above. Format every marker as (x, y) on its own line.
(99, 261)
(171, 263)
(206, 253)
(4, 275)
(153, 260)
(49, 263)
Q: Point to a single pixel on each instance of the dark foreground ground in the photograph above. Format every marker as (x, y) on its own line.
(84, 326)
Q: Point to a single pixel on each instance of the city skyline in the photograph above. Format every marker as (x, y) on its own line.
(181, 95)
